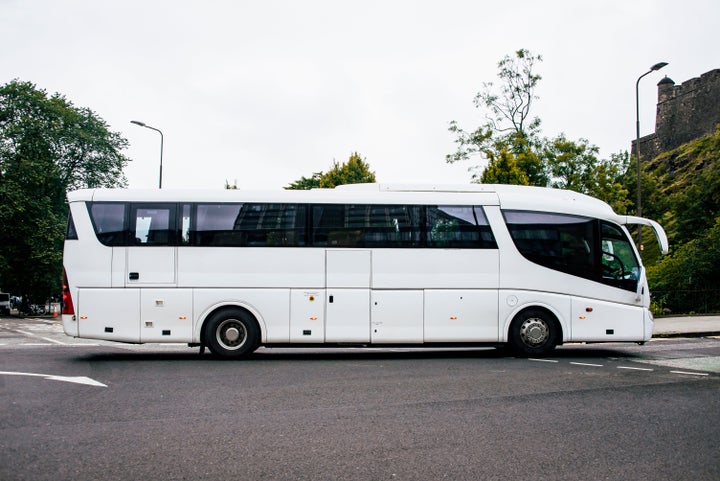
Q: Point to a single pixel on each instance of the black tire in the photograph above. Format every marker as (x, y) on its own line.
(533, 332)
(232, 333)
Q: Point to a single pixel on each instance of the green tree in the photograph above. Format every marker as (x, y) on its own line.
(354, 171)
(47, 146)
(306, 183)
(574, 165)
(508, 123)
(511, 144)
(503, 168)
(688, 279)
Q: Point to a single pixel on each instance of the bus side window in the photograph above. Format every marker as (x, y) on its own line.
(71, 232)
(558, 241)
(459, 226)
(153, 225)
(185, 225)
(109, 222)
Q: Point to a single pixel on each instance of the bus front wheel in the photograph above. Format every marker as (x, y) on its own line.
(533, 332)
(232, 333)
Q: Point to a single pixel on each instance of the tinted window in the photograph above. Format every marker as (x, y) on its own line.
(109, 222)
(185, 219)
(577, 245)
(251, 225)
(292, 225)
(363, 225)
(458, 227)
(153, 224)
(620, 266)
(399, 226)
(562, 242)
(71, 232)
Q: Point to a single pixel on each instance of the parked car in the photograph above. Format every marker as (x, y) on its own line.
(4, 303)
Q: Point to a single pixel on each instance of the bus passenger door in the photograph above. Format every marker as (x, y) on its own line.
(347, 300)
(151, 256)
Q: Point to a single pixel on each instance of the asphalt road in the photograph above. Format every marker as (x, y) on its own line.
(85, 410)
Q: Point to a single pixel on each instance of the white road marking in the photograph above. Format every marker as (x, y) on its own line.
(586, 364)
(635, 368)
(30, 334)
(691, 373)
(543, 360)
(73, 379)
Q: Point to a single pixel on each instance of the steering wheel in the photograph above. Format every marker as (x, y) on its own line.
(615, 269)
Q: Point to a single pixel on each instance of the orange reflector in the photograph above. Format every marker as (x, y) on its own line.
(182, 318)
(453, 318)
(582, 317)
(313, 318)
(83, 317)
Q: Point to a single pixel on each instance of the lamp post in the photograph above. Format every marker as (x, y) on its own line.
(142, 124)
(655, 67)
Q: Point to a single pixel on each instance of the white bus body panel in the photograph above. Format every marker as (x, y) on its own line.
(251, 267)
(154, 266)
(594, 320)
(166, 315)
(347, 315)
(112, 314)
(348, 268)
(397, 316)
(307, 315)
(461, 315)
(348, 295)
(435, 268)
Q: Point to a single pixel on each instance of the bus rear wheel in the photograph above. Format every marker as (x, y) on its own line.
(232, 333)
(533, 332)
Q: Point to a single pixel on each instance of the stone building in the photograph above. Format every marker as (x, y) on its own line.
(684, 112)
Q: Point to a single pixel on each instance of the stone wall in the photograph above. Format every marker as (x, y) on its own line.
(684, 112)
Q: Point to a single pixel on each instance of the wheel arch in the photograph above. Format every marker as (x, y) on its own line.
(553, 314)
(226, 306)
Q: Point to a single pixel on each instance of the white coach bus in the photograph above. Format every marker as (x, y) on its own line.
(371, 264)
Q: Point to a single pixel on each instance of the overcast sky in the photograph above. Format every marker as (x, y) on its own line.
(264, 92)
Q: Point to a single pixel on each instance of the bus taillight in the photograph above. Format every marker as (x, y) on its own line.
(68, 307)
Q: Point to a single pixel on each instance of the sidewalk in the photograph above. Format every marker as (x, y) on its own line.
(695, 326)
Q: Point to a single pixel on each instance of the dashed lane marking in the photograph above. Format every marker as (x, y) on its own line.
(627, 368)
(636, 368)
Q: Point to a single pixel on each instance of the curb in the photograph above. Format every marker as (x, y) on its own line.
(669, 335)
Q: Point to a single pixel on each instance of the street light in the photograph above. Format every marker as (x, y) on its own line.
(142, 124)
(655, 67)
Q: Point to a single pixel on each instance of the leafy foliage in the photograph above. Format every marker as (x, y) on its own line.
(47, 146)
(515, 153)
(509, 138)
(688, 280)
(354, 171)
(681, 188)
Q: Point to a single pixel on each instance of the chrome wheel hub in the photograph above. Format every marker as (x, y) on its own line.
(534, 332)
(231, 334)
